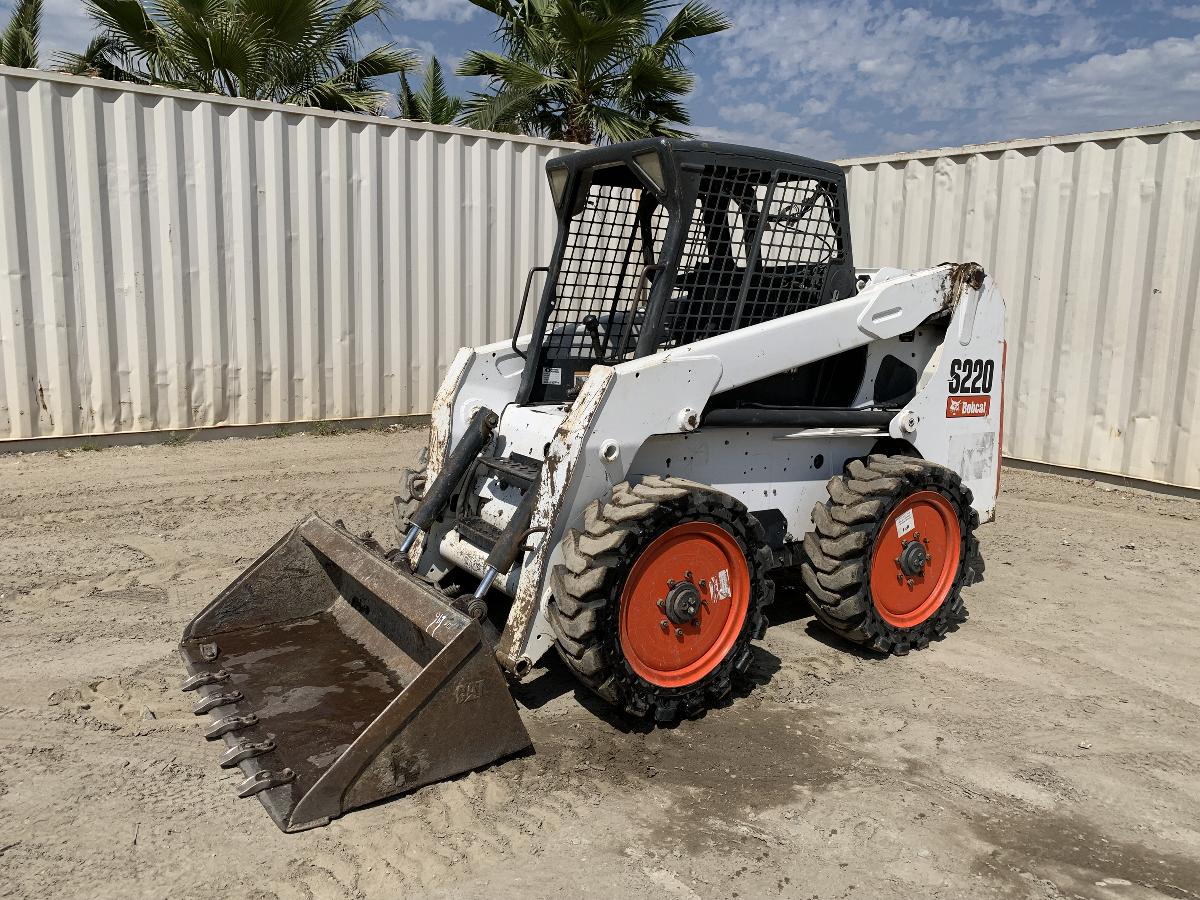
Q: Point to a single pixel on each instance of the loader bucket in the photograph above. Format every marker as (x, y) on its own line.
(335, 680)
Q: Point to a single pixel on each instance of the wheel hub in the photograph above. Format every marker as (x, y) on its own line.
(682, 603)
(913, 558)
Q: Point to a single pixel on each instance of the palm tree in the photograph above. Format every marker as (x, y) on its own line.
(290, 51)
(588, 70)
(19, 40)
(431, 103)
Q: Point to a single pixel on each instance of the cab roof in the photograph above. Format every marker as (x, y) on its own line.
(678, 152)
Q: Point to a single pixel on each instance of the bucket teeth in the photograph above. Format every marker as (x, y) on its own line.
(245, 750)
(200, 679)
(264, 780)
(222, 727)
(212, 701)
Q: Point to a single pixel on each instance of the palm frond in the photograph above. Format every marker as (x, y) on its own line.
(19, 42)
(102, 58)
(294, 51)
(407, 101)
(588, 70)
(505, 111)
(693, 20)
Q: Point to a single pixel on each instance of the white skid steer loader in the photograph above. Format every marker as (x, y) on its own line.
(712, 400)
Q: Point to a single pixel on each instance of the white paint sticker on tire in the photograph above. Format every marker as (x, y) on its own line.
(905, 523)
(720, 585)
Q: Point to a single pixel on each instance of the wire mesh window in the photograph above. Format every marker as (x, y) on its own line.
(601, 290)
(758, 247)
(740, 267)
(703, 300)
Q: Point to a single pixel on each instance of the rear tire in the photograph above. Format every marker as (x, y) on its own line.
(607, 626)
(855, 578)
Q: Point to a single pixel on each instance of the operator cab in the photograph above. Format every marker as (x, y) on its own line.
(667, 242)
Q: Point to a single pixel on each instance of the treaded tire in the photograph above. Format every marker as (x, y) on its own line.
(412, 489)
(836, 559)
(587, 588)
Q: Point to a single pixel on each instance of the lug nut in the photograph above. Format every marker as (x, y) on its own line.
(910, 582)
(662, 604)
(678, 632)
(703, 584)
(665, 624)
(670, 582)
(899, 578)
(695, 622)
(688, 574)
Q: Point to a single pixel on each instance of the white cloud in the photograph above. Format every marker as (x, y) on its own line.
(1074, 37)
(65, 26)
(882, 75)
(1034, 8)
(1140, 86)
(436, 10)
(791, 43)
(760, 125)
(1187, 13)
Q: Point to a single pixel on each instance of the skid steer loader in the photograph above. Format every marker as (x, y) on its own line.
(712, 400)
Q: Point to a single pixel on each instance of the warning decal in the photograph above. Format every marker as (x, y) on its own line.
(960, 407)
(905, 523)
(720, 585)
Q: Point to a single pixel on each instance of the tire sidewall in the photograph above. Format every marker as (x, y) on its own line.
(636, 691)
(944, 482)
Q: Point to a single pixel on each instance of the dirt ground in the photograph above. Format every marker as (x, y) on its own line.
(1050, 748)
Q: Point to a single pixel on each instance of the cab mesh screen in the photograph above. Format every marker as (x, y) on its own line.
(758, 246)
(618, 233)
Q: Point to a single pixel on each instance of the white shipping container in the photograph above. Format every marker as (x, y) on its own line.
(173, 260)
(1094, 242)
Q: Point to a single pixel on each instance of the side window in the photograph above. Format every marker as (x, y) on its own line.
(616, 231)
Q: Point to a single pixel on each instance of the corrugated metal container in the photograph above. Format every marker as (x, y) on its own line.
(171, 260)
(1094, 242)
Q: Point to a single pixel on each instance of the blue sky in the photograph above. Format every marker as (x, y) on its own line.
(835, 78)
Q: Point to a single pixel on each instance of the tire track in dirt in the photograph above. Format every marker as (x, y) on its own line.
(830, 769)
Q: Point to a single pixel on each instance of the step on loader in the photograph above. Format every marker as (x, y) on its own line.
(712, 401)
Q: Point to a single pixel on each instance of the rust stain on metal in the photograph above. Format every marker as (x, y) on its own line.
(570, 441)
(41, 398)
(440, 422)
(961, 276)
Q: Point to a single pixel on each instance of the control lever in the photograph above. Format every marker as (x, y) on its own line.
(592, 326)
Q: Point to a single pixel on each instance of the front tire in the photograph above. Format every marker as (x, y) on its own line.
(664, 550)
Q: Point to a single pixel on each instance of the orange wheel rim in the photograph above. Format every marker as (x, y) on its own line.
(915, 559)
(696, 565)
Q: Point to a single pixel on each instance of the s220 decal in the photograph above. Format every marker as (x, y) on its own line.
(971, 381)
(971, 376)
